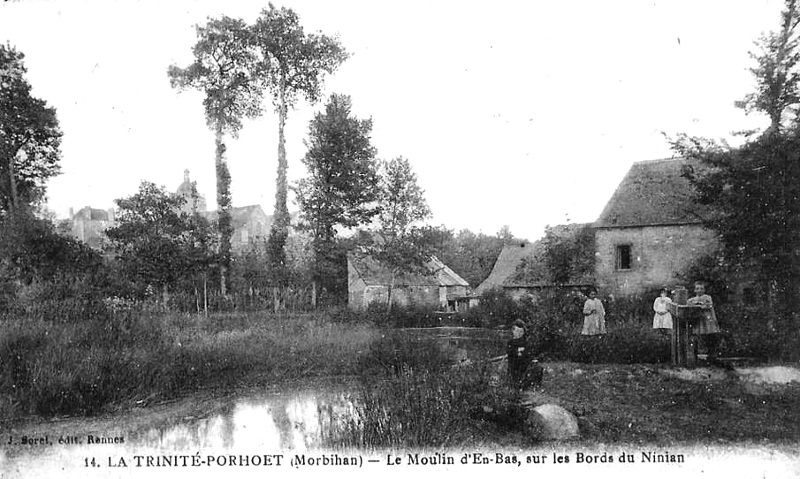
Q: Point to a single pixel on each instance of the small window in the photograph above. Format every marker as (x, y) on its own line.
(624, 256)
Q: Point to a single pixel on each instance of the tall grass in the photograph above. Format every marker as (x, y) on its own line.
(424, 398)
(48, 367)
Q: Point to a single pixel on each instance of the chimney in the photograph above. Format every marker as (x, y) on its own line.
(186, 175)
(71, 213)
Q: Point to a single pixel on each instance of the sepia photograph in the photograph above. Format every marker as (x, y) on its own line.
(439, 238)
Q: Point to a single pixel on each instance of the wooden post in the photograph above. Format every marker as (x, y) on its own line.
(679, 335)
(683, 315)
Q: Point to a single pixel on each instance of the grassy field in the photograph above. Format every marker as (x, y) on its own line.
(415, 389)
(620, 403)
(82, 368)
(646, 404)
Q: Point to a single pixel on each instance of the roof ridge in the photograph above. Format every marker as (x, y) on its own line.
(657, 160)
(653, 192)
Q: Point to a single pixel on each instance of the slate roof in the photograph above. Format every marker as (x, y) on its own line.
(653, 193)
(505, 267)
(374, 273)
(445, 275)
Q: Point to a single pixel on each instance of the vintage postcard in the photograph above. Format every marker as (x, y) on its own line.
(390, 239)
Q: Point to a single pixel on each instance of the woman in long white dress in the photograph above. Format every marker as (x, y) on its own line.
(662, 318)
(594, 316)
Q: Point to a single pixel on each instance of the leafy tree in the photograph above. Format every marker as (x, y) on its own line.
(32, 250)
(292, 63)
(40, 268)
(569, 252)
(30, 137)
(776, 73)
(156, 244)
(505, 233)
(341, 188)
(402, 247)
(222, 69)
(753, 189)
(477, 254)
(470, 255)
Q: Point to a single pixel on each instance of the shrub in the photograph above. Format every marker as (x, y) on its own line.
(496, 307)
(417, 408)
(398, 351)
(627, 344)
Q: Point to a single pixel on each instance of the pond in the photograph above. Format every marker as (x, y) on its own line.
(293, 418)
(256, 425)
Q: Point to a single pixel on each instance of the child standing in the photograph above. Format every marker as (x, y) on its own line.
(707, 327)
(662, 318)
(594, 315)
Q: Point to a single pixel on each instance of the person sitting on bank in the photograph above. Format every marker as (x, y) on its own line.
(706, 328)
(523, 370)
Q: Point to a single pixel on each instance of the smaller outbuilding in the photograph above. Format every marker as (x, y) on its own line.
(513, 254)
(369, 282)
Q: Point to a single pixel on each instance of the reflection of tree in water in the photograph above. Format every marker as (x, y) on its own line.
(291, 421)
(282, 422)
(336, 417)
(216, 430)
(227, 428)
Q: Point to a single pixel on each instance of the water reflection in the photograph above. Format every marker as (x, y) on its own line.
(293, 420)
(260, 424)
(280, 421)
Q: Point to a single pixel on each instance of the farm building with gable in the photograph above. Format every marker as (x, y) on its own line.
(369, 283)
(651, 229)
(521, 271)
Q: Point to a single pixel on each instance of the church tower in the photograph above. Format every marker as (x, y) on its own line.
(195, 202)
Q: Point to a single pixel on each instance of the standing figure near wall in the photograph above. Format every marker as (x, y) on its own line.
(662, 318)
(707, 328)
(594, 315)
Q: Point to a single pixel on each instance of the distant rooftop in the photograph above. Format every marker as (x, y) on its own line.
(512, 254)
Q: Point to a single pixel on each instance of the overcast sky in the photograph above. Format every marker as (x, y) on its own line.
(519, 113)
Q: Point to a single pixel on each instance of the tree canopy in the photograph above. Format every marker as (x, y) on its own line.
(30, 137)
(341, 186)
(223, 69)
(291, 64)
(401, 245)
(753, 189)
(156, 243)
(341, 189)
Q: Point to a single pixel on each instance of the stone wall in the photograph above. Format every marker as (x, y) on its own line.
(361, 295)
(657, 255)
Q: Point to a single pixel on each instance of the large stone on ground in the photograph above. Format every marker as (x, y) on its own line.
(550, 421)
(531, 398)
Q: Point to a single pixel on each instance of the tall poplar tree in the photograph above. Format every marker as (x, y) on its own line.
(222, 69)
(291, 64)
